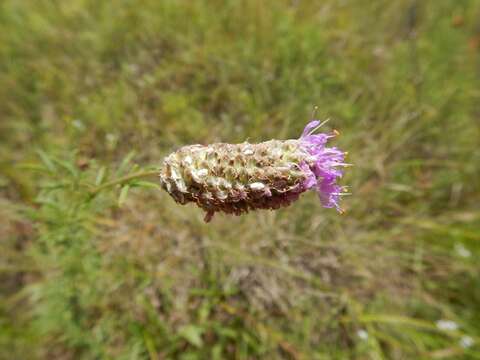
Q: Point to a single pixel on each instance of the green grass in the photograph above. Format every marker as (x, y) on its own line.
(92, 91)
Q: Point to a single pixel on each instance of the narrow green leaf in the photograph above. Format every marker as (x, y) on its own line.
(31, 166)
(126, 160)
(193, 334)
(100, 176)
(47, 161)
(67, 166)
(123, 195)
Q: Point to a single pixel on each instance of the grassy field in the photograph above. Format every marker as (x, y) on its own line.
(91, 91)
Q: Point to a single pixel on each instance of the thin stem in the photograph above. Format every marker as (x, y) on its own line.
(124, 179)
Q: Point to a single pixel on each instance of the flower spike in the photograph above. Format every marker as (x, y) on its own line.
(237, 178)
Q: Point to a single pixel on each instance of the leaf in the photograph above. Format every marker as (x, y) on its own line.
(100, 176)
(31, 166)
(126, 160)
(123, 195)
(67, 166)
(193, 334)
(47, 161)
(217, 352)
(227, 332)
(150, 345)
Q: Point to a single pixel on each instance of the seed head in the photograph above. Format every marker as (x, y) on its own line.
(237, 178)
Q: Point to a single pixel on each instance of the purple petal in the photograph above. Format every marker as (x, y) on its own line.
(310, 126)
(311, 179)
(323, 170)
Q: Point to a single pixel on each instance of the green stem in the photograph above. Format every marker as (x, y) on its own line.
(124, 179)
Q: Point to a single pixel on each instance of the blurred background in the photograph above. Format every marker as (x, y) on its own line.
(92, 91)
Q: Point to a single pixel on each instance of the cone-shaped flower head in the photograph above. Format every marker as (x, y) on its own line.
(237, 178)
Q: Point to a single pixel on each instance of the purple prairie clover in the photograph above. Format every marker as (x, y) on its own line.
(237, 178)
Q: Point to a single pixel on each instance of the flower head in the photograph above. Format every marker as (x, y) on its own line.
(237, 178)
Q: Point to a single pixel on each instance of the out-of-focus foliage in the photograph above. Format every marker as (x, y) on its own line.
(126, 273)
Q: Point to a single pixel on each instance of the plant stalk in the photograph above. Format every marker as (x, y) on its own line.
(124, 179)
